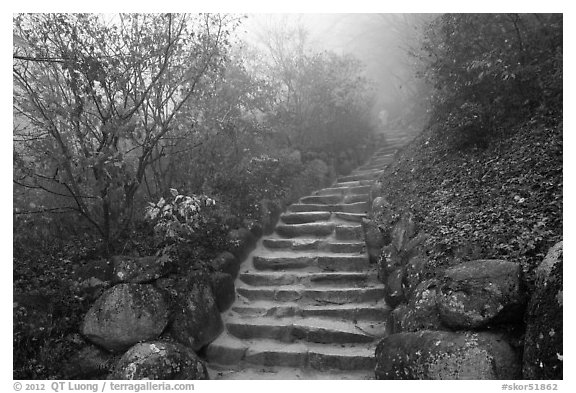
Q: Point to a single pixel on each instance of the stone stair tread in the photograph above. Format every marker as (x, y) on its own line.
(337, 207)
(266, 253)
(289, 328)
(300, 287)
(311, 295)
(343, 190)
(284, 373)
(320, 279)
(355, 183)
(265, 305)
(328, 262)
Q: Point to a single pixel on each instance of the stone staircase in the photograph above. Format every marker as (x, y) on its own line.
(309, 305)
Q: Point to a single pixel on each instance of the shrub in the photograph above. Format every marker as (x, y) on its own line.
(492, 70)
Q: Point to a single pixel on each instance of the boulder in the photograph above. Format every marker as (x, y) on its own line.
(414, 272)
(196, 321)
(90, 362)
(140, 270)
(403, 230)
(159, 360)
(226, 262)
(241, 241)
(222, 285)
(382, 209)
(543, 343)
(124, 315)
(374, 239)
(478, 293)
(394, 288)
(414, 246)
(389, 260)
(420, 313)
(432, 355)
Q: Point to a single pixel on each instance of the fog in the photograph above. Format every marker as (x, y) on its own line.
(387, 44)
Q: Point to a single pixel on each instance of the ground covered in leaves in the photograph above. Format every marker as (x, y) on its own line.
(502, 200)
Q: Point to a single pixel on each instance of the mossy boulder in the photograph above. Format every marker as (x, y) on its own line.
(124, 315)
(159, 360)
(196, 321)
(433, 355)
(543, 343)
(420, 313)
(478, 293)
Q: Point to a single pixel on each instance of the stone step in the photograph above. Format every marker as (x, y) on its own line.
(354, 198)
(299, 244)
(320, 229)
(344, 190)
(326, 262)
(305, 217)
(360, 207)
(355, 183)
(267, 279)
(247, 372)
(369, 312)
(322, 199)
(352, 217)
(378, 167)
(362, 176)
(349, 232)
(303, 356)
(310, 229)
(303, 295)
(312, 330)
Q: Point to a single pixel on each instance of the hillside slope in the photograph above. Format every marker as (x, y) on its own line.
(501, 201)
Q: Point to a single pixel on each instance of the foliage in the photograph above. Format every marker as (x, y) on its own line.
(493, 70)
(321, 96)
(179, 217)
(503, 202)
(93, 101)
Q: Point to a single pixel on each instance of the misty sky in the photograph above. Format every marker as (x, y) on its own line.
(380, 41)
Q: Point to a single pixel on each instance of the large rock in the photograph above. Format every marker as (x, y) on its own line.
(403, 230)
(435, 355)
(394, 288)
(140, 269)
(389, 260)
(222, 285)
(159, 360)
(197, 321)
(414, 273)
(374, 239)
(420, 313)
(226, 262)
(124, 315)
(543, 351)
(382, 209)
(478, 293)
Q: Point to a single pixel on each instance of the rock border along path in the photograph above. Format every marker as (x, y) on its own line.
(309, 304)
